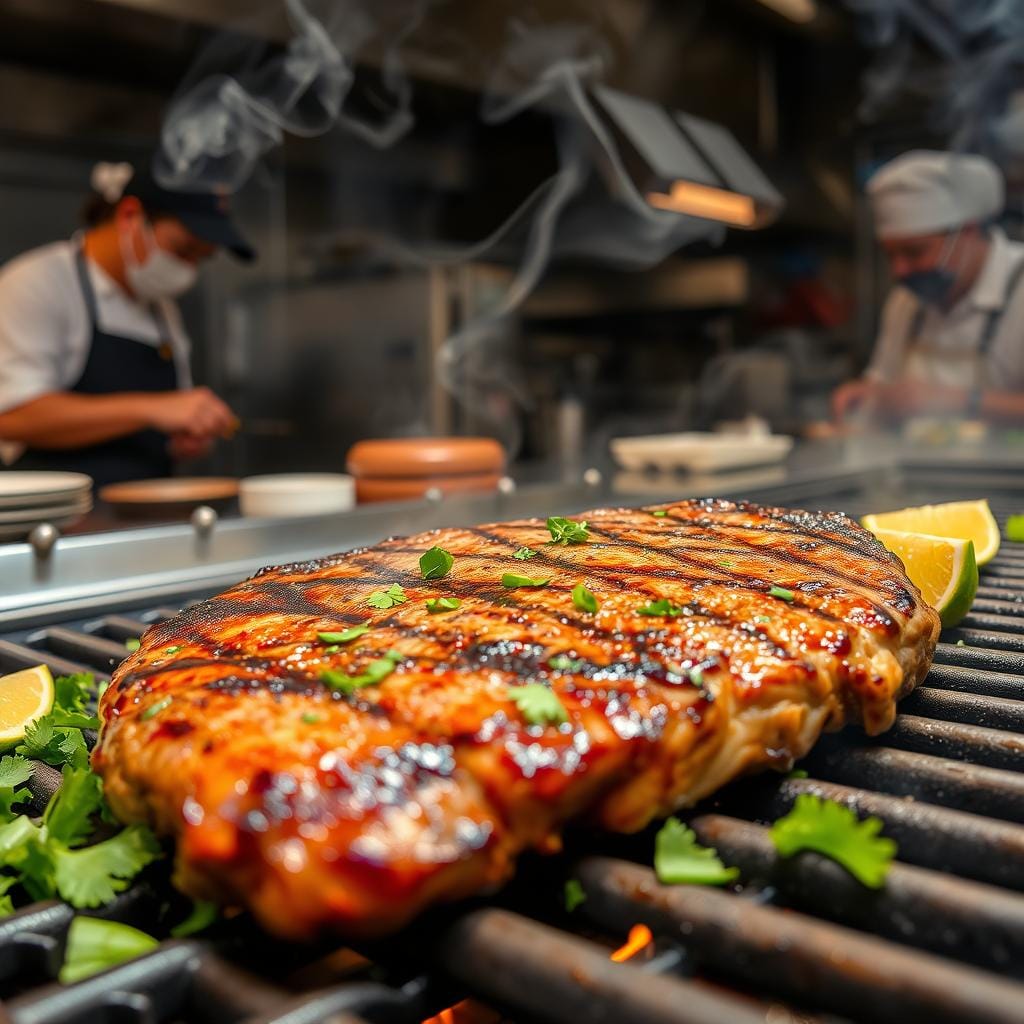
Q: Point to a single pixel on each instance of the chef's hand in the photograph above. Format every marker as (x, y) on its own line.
(185, 447)
(196, 412)
(853, 395)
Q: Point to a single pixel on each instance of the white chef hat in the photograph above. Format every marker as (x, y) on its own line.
(924, 192)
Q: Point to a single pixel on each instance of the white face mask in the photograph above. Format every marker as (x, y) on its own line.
(160, 275)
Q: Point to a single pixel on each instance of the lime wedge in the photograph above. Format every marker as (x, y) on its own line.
(24, 697)
(966, 520)
(944, 569)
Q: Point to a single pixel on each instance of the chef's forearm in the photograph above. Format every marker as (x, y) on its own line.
(66, 420)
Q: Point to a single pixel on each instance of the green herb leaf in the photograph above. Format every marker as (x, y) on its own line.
(375, 672)
(93, 875)
(663, 606)
(537, 704)
(96, 945)
(6, 903)
(345, 636)
(132, 644)
(154, 709)
(833, 830)
(73, 693)
(1015, 529)
(436, 563)
(574, 894)
(435, 605)
(659, 513)
(511, 580)
(310, 718)
(782, 593)
(583, 599)
(56, 746)
(73, 719)
(563, 663)
(68, 816)
(726, 563)
(797, 773)
(763, 618)
(203, 915)
(679, 858)
(14, 770)
(383, 599)
(173, 649)
(567, 531)
(524, 553)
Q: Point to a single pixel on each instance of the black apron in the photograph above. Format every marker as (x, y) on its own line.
(115, 365)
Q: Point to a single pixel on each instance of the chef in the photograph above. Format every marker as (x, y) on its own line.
(951, 341)
(94, 359)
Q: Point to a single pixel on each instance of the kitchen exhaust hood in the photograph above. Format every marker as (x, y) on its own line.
(687, 164)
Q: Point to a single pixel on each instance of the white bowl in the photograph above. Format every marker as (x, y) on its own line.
(699, 452)
(296, 494)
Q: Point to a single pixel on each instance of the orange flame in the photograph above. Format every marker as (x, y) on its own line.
(466, 1012)
(640, 938)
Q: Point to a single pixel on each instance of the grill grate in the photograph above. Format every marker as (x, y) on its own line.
(801, 941)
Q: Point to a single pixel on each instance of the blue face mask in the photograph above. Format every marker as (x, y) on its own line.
(935, 285)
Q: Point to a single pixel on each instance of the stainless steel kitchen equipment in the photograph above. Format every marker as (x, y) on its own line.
(943, 941)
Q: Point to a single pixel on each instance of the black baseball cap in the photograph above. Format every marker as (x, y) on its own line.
(206, 214)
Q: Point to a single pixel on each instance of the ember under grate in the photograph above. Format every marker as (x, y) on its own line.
(801, 941)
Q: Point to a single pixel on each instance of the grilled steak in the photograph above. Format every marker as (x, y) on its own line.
(726, 639)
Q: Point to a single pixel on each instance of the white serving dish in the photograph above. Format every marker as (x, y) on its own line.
(29, 489)
(296, 494)
(699, 452)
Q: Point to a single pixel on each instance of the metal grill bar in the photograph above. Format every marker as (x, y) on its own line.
(15, 656)
(969, 708)
(973, 743)
(799, 955)
(925, 908)
(972, 680)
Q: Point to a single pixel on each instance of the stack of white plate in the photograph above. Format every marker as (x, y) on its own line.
(27, 499)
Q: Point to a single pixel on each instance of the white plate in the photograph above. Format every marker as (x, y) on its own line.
(296, 494)
(46, 514)
(696, 452)
(19, 488)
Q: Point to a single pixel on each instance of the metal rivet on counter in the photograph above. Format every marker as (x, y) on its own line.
(592, 477)
(506, 485)
(43, 538)
(203, 520)
(433, 494)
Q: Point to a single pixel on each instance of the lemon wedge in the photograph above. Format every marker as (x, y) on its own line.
(24, 697)
(965, 520)
(943, 568)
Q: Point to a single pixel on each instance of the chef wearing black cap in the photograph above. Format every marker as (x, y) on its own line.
(94, 359)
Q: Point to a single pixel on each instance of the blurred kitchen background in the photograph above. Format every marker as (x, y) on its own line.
(339, 331)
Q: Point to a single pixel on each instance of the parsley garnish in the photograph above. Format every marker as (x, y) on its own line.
(574, 894)
(345, 636)
(797, 773)
(663, 606)
(203, 915)
(73, 693)
(436, 563)
(678, 858)
(782, 593)
(563, 663)
(13, 772)
(154, 709)
(387, 598)
(132, 644)
(833, 830)
(659, 513)
(310, 718)
(583, 599)
(523, 553)
(95, 945)
(537, 704)
(763, 618)
(56, 737)
(567, 531)
(511, 580)
(375, 672)
(436, 605)
(726, 563)
(172, 650)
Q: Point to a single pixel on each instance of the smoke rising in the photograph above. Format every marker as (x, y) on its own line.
(223, 122)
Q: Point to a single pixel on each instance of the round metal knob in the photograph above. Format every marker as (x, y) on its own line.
(43, 538)
(203, 520)
(506, 485)
(592, 477)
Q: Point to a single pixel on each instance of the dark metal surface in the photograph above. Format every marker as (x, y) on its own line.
(799, 940)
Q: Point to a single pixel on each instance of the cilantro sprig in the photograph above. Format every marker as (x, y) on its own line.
(567, 531)
(436, 605)
(384, 599)
(583, 599)
(524, 553)
(834, 830)
(345, 636)
(513, 580)
(375, 672)
(13, 772)
(436, 563)
(782, 593)
(679, 858)
(538, 705)
(662, 607)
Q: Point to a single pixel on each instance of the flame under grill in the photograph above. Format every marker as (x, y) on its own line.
(803, 941)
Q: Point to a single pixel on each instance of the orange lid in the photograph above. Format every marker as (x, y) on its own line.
(425, 457)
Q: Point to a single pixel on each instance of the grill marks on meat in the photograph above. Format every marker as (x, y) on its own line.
(320, 810)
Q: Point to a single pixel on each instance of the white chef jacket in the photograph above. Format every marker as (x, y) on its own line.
(923, 342)
(45, 328)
